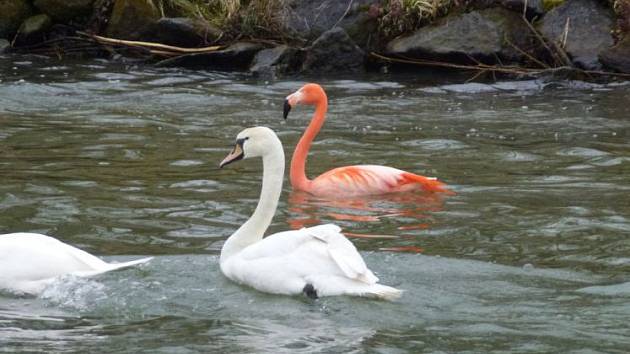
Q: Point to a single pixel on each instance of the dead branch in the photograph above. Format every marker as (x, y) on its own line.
(150, 45)
(514, 70)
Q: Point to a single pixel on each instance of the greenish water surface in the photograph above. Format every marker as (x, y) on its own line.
(532, 255)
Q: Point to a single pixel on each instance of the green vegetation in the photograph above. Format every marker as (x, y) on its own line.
(550, 4)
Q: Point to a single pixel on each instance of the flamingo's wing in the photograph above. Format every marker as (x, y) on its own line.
(360, 179)
(373, 179)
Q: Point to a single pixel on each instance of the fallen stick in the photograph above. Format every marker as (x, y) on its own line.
(159, 46)
(498, 69)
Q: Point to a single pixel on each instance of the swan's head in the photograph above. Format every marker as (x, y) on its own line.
(253, 142)
(309, 94)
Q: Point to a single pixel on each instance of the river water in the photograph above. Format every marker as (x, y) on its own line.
(531, 255)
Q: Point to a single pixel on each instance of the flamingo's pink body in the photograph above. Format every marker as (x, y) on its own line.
(349, 180)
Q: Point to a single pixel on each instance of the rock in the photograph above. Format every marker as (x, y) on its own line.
(617, 57)
(130, 19)
(65, 10)
(534, 8)
(12, 13)
(272, 62)
(333, 51)
(182, 32)
(33, 30)
(589, 34)
(4, 45)
(310, 18)
(484, 35)
(237, 56)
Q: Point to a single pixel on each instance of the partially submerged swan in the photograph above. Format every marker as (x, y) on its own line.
(29, 262)
(317, 261)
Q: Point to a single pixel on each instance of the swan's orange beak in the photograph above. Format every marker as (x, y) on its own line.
(235, 155)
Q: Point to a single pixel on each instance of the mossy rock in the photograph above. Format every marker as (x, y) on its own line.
(12, 13)
(4, 45)
(183, 32)
(131, 18)
(33, 29)
(65, 10)
(550, 4)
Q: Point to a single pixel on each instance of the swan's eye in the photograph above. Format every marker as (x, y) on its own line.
(240, 142)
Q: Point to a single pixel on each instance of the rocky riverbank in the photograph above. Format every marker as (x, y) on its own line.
(272, 38)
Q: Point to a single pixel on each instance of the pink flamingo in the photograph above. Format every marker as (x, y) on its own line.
(349, 180)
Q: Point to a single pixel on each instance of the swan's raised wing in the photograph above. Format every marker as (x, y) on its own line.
(276, 245)
(321, 246)
(343, 252)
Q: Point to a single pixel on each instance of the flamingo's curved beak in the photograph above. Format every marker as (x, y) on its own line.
(287, 108)
(292, 100)
(235, 155)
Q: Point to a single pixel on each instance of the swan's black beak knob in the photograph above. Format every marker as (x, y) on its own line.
(287, 109)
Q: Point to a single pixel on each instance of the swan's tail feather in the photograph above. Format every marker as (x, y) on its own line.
(108, 267)
(115, 266)
(383, 292)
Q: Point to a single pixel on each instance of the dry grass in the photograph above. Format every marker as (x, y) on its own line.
(402, 16)
(237, 18)
(622, 11)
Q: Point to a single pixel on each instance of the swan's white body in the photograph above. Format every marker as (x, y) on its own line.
(29, 262)
(319, 259)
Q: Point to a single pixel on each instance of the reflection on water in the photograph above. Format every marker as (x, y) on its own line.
(412, 211)
(530, 255)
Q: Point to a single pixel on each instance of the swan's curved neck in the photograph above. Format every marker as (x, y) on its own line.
(298, 161)
(253, 230)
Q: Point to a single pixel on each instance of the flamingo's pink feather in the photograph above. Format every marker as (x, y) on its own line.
(371, 180)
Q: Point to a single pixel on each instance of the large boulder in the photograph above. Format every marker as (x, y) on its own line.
(334, 51)
(482, 35)
(533, 8)
(183, 32)
(617, 57)
(12, 13)
(65, 10)
(33, 29)
(589, 30)
(273, 62)
(130, 19)
(310, 18)
(237, 56)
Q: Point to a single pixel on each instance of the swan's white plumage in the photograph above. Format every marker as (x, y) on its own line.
(29, 262)
(285, 262)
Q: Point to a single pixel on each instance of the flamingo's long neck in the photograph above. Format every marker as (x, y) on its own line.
(298, 161)
(253, 230)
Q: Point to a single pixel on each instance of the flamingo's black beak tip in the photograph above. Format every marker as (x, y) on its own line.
(287, 109)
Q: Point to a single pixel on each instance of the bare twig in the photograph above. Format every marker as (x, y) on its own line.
(514, 70)
(565, 33)
(491, 68)
(529, 56)
(344, 14)
(149, 45)
(554, 55)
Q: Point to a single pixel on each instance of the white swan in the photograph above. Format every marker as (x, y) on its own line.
(29, 262)
(316, 261)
